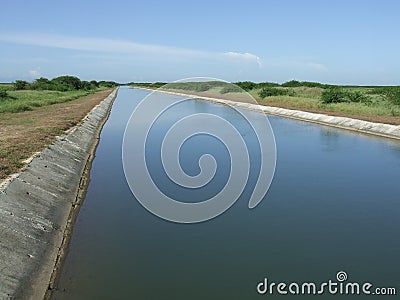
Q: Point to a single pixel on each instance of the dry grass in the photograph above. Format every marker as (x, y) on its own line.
(22, 134)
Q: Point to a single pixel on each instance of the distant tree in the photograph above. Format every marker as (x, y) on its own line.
(246, 85)
(158, 84)
(86, 85)
(266, 84)
(292, 83)
(108, 84)
(273, 91)
(67, 82)
(20, 85)
(42, 80)
(94, 83)
(313, 84)
(41, 84)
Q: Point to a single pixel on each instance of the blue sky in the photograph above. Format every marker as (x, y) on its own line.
(342, 42)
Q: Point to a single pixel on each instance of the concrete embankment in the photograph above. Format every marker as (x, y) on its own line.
(36, 207)
(380, 129)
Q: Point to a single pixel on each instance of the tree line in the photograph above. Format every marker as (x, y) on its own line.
(62, 83)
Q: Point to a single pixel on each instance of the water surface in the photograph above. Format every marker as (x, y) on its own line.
(333, 206)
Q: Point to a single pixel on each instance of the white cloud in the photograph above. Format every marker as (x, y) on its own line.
(117, 46)
(104, 56)
(246, 56)
(34, 73)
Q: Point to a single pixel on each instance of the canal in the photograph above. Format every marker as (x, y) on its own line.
(333, 206)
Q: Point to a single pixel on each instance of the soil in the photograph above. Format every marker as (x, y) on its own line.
(26, 133)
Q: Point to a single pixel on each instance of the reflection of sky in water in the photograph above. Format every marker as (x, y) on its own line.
(195, 147)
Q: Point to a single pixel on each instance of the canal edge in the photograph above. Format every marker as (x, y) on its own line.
(344, 123)
(38, 207)
(76, 205)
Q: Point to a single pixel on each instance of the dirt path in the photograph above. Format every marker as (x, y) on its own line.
(23, 134)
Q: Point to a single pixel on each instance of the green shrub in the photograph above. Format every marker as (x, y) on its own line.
(20, 85)
(295, 83)
(292, 83)
(339, 95)
(266, 84)
(246, 85)
(272, 91)
(357, 96)
(392, 94)
(3, 94)
(315, 84)
(153, 85)
(230, 88)
(334, 95)
(87, 86)
(67, 82)
(94, 83)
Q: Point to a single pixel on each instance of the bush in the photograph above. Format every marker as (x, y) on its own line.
(67, 83)
(334, 95)
(266, 84)
(230, 88)
(87, 86)
(357, 96)
(94, 83)
(271, 91)
(392, 94)
(3, 94)
(246, 85)
(292, 83)
(295, 83)
(41, 84)
(338, 95)
(314, 84)
(111, 84)
(20, 85)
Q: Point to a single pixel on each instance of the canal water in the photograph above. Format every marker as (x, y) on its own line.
(333, 206)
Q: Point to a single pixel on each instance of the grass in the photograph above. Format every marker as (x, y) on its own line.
(27, 100)
(375, 104)
(378, 109)
(24, 133)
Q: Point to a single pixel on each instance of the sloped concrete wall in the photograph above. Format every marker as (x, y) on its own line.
(36, 205)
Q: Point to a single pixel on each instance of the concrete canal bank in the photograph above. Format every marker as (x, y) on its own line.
(38, 206)
(379, 129)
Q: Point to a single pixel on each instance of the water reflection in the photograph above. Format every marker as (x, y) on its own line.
(329, 139)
